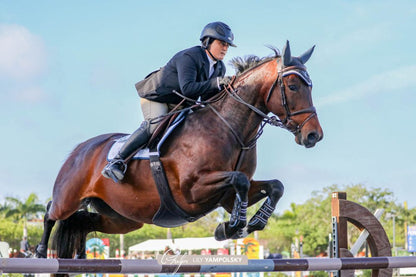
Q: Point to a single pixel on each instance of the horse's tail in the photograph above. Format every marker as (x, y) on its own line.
(70, 235)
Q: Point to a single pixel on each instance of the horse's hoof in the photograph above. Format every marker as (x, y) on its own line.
(220, 233)
(41, 251)
(82, 256)
(242, 233)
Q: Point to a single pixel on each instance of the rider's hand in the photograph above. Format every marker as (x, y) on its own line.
(223, 82)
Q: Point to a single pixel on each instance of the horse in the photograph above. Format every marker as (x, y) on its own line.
(209, 161)
(24, 254)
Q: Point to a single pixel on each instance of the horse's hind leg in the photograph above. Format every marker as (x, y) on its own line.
(273, 189)
(238, 220)
(70, 237)
(81, 251)
(41, 250)
(105, 224)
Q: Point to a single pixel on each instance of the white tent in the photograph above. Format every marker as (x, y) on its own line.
(181, 244)
(200, 243)
(152, 245)
(4, 249)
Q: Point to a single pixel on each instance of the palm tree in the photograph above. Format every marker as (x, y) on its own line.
(23, 211)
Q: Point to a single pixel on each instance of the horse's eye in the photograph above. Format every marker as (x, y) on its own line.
(292, 87)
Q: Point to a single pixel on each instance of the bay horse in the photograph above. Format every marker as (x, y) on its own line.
(209, 161)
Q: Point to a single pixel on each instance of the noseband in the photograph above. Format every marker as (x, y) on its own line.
(301, 72)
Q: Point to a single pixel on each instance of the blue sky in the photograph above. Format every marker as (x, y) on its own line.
(68, 69)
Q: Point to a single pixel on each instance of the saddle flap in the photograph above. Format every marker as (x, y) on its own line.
(161, 129)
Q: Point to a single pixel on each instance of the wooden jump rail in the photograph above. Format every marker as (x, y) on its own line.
(19, 265)
(344, 211)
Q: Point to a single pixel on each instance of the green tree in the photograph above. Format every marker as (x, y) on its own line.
(312, 219)
(22, 211)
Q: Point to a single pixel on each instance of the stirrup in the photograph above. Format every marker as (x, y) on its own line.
(115, 169)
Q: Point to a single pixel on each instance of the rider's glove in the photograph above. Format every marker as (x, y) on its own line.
(223, 82)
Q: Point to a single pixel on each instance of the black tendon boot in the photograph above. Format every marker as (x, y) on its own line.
(116, 168)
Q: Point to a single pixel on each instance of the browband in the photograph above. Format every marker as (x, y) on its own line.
(301, 73)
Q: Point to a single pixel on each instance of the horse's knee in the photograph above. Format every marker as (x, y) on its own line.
(277, 189)
(239, 181)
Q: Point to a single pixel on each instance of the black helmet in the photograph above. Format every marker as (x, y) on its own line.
(218, 30)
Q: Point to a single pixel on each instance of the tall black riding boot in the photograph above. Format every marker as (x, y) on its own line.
(116, 168)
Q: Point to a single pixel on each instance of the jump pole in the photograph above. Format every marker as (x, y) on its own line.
(19, 265)
(343, 264)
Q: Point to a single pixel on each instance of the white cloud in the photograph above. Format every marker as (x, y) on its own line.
(396, 79)
(23, 61)
(31, 94)
(22, 54)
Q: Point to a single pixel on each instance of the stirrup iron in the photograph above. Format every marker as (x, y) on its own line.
(114, 173)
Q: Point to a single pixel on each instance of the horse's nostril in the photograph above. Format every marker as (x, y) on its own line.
(313, 137)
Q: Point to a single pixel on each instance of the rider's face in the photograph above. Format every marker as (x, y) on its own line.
(218, 49)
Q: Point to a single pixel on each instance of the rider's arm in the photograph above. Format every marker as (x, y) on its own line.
(188, 71)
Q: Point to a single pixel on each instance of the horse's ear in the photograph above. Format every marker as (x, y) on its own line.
(287, 57)
(305, 56)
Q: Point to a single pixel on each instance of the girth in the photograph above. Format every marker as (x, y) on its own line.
(169, 213)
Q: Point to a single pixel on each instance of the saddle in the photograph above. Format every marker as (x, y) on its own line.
(169, 213)
(157, 139)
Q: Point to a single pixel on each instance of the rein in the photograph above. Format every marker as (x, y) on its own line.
(272, 120)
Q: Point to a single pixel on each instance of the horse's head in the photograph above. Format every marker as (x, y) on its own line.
(290, 98)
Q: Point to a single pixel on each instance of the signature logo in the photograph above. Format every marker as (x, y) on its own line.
(177, 259)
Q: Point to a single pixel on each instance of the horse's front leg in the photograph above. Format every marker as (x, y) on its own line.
(238, 220)
(273, 189)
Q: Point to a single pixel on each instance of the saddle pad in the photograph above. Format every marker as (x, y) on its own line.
(143, 154)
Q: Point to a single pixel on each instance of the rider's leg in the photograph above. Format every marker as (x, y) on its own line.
(116, 168)
(151, 109)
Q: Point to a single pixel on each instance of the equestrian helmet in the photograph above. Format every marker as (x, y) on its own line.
(218, 30)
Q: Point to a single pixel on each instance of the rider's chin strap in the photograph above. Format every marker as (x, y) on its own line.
(205, 46)
(212, 56)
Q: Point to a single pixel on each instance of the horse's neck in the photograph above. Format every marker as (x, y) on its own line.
(241, 118)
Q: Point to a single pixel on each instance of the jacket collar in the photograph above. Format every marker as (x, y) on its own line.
(205, 62)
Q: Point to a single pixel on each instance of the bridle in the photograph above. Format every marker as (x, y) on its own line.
(272, 120)
(301, 72)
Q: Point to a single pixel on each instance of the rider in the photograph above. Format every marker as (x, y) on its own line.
(24, 246)
(194, 72)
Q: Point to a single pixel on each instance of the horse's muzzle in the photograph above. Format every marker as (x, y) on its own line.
(310, 139)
